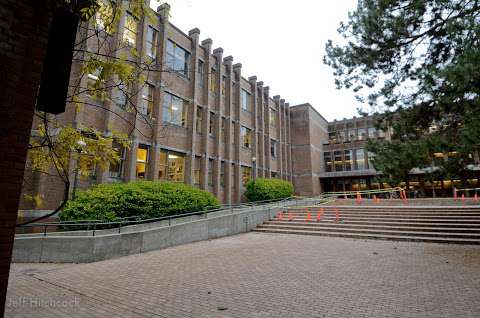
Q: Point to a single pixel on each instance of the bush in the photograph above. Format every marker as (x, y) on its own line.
(262, 189)
(144, 199)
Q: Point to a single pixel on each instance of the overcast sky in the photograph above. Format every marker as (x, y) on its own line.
(281, 42)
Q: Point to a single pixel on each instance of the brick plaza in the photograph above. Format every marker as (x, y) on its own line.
(259, 275)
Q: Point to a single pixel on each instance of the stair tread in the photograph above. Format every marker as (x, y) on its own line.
(382, 231)
(398, 237)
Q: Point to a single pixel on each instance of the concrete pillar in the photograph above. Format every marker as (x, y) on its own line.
(261, 129)
(268, 158)
(278, 130)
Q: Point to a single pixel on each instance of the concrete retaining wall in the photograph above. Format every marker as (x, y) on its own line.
(83, 249)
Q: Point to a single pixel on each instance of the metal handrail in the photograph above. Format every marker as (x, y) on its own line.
(119, 222)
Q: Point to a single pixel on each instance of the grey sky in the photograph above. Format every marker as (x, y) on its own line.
(281, 42)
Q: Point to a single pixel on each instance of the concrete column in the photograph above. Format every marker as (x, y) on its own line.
(261, 128)
(255, 141)
(268, 159)
(289, 144)
(207, 46)
(237, 70)
(228, 61)
(218, 53)
(282, 138)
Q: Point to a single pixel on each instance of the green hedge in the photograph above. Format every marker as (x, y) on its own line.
(145, 199)
(262, 189)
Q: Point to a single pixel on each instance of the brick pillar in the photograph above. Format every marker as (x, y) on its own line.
(207, 46)
(21, 61)
(261, 130)
(218, 53)
(268, 158)
(237, 69)
(228, 61)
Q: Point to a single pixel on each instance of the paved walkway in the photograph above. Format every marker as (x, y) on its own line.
(259, 275)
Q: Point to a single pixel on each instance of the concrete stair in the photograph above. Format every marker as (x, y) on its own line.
(441, 224)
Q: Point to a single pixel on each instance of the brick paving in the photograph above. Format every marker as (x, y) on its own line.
(259, 275)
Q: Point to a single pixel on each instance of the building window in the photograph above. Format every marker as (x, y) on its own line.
(360, 159)
(222, 173)
(93, 80)
(273, 174)
(115, 169)
(211, 123)
(370, 159)
(177, 58)
(196, 171)
(341, 136)
(130, 30)
(213, 80)
(245, 100)
(152, 36)
(199, 120)
(201, 73)
(338, 160)
(210, 173)
(174, 110)
(120, 96)
(332, 136)
(273, 117)
(172, 166)
(361, 134)
(273, 148)
(224, 86)
(327, 158)
(348, 160)
(372, 132)
(246, 135)
(142, 161)
(104, 16)
(147, 100)
(246, 174)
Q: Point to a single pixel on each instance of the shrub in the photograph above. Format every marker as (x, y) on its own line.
(262, 189)
(144, 199)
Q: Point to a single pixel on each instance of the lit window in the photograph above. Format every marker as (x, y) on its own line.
(196, 171)
(174, 110)
(177, 58)
(348, 160)
(172, 166)
(338, 160)
(246, 135)
(246, 174)
(245, 100)
(152, 36)
(147, 100)
(273, 117)
(130, 30)
(142, 161)
(273, 148)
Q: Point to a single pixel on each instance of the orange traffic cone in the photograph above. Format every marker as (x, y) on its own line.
(309, 217)
(455, 197)
(374, 198)
(475, 197)
(319, 215)
(290, 216)
(463, 198)
(337, 214)
(280, 216)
